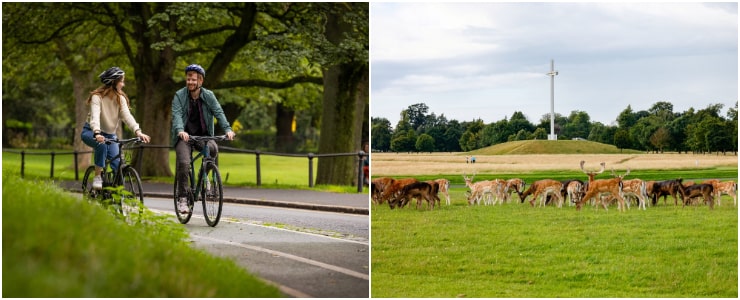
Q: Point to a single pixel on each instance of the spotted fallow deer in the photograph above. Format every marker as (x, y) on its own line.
(725, 187)
(597, 187)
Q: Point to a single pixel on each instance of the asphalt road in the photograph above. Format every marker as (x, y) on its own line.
(307, 243)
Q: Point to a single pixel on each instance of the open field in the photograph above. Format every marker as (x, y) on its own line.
(515, 250)
(395, 164)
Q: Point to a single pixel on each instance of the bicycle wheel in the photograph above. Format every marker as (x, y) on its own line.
(133, 201)
(184, 218)
(212, 194)
(87, 188)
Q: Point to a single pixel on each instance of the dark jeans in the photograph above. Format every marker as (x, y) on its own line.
(102, 150)
(183, 153)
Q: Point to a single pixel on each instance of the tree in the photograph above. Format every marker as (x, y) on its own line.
(660, 139)
(278, 45)
(622, 139)
(627, 118)
(346, 90)
(425, 143)
(578, 126)
(381, 134)
(641, 132)
(416, 115)
(468, 141)
(539, 134)
(405, 142)
(452, 135)
(522, 135)
(27, 39)
(663, 111)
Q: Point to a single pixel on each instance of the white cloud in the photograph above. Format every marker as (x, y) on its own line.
(609, 56)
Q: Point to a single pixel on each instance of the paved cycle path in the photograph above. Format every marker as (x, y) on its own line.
(355, 203)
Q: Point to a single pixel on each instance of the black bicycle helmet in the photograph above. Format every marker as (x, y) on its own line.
(196, 68)
(110, 76)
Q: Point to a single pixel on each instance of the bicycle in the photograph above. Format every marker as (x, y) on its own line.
(208, 186)
(125, 176)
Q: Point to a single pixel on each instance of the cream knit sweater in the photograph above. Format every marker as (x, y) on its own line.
(105, 114)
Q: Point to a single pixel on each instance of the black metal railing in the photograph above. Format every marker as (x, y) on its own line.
(140, 148)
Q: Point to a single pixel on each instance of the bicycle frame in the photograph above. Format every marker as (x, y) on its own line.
(118, 174)
(206, 157)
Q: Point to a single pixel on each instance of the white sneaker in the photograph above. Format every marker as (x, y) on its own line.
(182, 205)
(97, 182)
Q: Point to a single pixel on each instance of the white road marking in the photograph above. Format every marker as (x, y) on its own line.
(289, 256)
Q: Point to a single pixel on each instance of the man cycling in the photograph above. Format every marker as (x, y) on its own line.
(193, 110)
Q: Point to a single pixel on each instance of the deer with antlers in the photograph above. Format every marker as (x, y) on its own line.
(597, 187)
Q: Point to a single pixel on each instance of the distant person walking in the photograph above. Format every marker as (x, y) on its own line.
(472, 159)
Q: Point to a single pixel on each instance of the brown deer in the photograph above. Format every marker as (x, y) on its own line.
(597, 187)
(544, 187)
(704, 190)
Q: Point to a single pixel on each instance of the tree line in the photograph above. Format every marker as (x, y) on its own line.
(657, 129)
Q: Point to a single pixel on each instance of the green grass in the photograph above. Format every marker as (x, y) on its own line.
(551, 147)
(277, 171)
(56, 245)
(514, 250)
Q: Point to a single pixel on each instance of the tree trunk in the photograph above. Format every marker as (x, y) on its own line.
(156, 121)
(345, 97)
(339, 125)
(81, 88)
(284, 142)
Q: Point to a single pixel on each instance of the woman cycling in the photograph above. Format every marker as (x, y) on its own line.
(108, 105)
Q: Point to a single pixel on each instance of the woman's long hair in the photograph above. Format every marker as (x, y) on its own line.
(110, 90)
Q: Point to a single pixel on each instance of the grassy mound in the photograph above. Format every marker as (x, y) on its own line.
(551, 147)
(55, 245)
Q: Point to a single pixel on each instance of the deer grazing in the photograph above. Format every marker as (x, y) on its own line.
(726, 187)
(513, 185)
(635, 188)
(489, 191)
(597, 187)
(703, 190)
(419, 190)
(544, 188)
(574, 190)
(657, 189)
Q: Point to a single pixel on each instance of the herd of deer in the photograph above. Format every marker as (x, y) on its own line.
(399, 192)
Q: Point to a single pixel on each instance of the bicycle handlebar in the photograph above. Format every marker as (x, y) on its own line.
(136, 140)
(196, 138)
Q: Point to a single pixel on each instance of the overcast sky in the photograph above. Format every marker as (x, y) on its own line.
(488, 60)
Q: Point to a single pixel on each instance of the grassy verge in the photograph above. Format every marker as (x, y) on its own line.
(514, 250)
(277, 171)
(55, 245)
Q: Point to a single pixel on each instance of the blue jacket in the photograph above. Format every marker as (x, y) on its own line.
(211, 109)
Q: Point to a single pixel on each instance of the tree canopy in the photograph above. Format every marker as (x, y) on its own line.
(274, 54)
